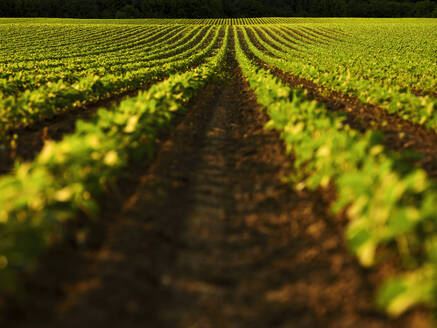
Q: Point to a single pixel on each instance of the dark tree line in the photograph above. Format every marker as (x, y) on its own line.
(216, 8)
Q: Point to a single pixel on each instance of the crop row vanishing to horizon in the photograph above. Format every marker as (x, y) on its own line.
(354, 100)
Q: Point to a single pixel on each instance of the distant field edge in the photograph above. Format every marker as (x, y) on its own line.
(214, 21)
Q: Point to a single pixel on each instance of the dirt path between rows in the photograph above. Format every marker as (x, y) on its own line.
(211, 236)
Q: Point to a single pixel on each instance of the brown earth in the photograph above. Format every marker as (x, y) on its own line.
(399, 135)
(422, 93)
(208, 235)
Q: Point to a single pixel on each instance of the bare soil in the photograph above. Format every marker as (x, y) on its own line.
(209, 235)
(422, 93)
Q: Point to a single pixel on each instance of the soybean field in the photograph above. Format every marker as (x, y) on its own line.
(253, 172)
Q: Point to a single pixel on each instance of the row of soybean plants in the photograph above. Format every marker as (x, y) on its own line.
(388, 205)
(380, 65)
(104, 78)
(21, 72)
(100, 45)
(134, 53)
(244, 21)
(235, 21)
(67, 176)
(67, 37)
